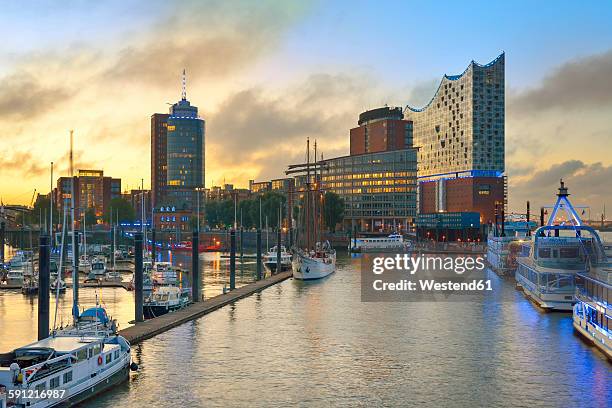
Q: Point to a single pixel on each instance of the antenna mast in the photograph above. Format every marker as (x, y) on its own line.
(184, 88)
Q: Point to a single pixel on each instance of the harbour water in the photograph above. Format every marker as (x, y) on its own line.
(318, 344)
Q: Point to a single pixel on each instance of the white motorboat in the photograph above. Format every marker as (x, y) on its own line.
(271, 257)
(14, 277)
(113, 276)
(53, 287)
(98, 268)
(165, 299)
(392, 243)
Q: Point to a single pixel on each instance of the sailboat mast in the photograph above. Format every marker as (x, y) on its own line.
(307, 206)
(51, 209)
(75, 264)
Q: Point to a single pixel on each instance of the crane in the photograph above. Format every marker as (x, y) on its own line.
(32, 200)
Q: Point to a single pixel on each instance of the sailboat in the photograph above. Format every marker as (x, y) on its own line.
(313, 259)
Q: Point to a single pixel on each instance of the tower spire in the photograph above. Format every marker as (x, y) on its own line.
(184, 89)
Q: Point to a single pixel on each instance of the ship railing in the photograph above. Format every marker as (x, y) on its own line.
(35, 372)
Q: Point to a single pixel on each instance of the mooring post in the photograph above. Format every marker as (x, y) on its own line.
(259, 254)
(153, 245)
(75, 254)
(290, 238)
(278, 250)
(195, 266)
(527, 216)
(2, 236)
(112, 243)
(44, 276)
(541, 216)
(241, 243)
(138, 278)
(233, 259)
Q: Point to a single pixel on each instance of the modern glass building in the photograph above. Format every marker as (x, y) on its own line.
(185, 154)
(460, 134)
(379, 189)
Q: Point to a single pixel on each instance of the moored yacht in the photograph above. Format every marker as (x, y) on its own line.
(14, 277)
(271, 257)
(164, 274)
(165, 299)
(315, 264)
(504, 246)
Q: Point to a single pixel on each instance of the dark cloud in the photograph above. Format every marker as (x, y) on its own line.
(589, 185)
(23, 97)
(578, 84)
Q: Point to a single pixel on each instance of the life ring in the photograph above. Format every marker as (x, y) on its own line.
(99, 360)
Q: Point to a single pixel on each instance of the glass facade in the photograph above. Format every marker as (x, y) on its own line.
(462, 127)
(185, 154)
(379, 189)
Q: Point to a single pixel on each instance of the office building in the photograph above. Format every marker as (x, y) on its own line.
(382, 129)
(159, 139)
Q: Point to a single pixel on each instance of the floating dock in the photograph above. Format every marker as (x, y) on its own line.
(149, 328)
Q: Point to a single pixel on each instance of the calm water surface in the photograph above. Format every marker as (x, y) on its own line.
(317, 344)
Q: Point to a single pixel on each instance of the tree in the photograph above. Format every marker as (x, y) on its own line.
(90, 216)
(41, 209)
(333, 210)
(121, 209)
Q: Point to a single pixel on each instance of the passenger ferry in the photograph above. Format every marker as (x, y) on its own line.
(68, 367)
(392, 243)
(593, 310)
(503, 251)
(556, 256)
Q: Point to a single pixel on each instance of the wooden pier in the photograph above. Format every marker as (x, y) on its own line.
(149, 328)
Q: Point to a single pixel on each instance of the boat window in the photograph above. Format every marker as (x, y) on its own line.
(41, 386)
(96, 349)
(116, 354)
(544, 253)
(67, 377)
(568, 252)
(54, 382)
(109, 358)
(82, 354)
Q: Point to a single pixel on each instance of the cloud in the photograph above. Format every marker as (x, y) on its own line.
(578, 84)
(22, 96)
(21, 163)
(269, 131)
(589, 184)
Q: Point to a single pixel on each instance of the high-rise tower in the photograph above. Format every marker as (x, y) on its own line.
(185, 152)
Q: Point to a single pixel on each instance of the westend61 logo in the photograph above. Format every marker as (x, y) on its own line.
(409, 278)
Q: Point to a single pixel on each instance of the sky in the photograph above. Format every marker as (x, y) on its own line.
(266, 75)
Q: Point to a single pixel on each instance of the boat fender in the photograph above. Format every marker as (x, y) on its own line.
(133, 366)
(99, 360)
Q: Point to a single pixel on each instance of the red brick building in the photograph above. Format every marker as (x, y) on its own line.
(463, 194)
(381, 130)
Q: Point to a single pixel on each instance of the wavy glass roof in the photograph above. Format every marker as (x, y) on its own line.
(453, 78)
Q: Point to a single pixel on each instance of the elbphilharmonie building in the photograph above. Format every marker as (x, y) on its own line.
(460, 135)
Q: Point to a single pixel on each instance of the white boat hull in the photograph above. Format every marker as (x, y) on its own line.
(307, 268)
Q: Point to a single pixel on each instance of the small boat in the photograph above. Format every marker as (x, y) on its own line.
(165, 299)
(113, 276)
(270, 258)
(53, 286)
(503, 248)
(392, 243)
(14, 277)
(98, 268)
(30, 286)
(84, 263)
